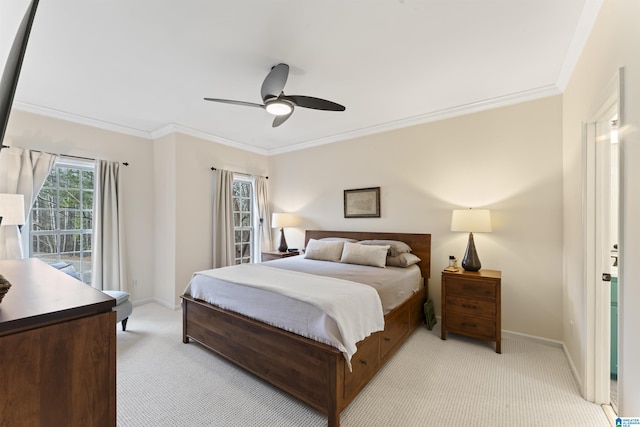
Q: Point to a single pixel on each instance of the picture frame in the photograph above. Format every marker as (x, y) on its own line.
(362, 203)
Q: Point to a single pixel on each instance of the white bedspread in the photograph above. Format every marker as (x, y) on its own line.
(337, 312)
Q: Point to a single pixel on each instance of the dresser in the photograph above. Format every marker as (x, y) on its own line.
(57, 349)
(471, 304)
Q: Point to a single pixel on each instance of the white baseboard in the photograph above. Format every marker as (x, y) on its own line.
(165, 304)
(534, 338)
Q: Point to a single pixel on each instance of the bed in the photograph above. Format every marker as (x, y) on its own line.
(315, 372)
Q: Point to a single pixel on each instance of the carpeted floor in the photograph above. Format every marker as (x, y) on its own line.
(429, 382)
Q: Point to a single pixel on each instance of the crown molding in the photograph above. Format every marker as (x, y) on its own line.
(511, 99)
(171, 128)
(74, 118)
(176, 128)
(586, 21)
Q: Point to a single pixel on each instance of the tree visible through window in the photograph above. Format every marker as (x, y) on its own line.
(62, 218)
(242, 203)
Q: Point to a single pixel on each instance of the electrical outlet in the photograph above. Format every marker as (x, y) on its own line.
(135, 283)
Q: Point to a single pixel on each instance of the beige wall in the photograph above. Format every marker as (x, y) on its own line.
(37, 132)
(507, 160)
(613, 43)
(194, 199)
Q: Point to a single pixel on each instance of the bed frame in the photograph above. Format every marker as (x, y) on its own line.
(310, 371)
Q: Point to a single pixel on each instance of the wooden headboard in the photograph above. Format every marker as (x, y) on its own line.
(420, 243)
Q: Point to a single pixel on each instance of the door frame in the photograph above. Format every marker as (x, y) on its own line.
(596, 386)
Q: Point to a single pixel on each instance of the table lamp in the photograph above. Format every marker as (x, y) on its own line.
(281, 220)
(471, 220)
(11, 209)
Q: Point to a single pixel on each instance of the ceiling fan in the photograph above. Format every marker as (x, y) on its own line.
(279, 104)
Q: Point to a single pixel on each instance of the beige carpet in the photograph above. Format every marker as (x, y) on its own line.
(430, 382)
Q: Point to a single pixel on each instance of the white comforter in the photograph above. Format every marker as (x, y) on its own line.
(334, 311)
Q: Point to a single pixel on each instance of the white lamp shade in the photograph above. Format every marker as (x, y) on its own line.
(471, 220)
(12, 209)
(283, 219)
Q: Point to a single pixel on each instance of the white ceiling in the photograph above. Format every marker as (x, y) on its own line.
(143, 66)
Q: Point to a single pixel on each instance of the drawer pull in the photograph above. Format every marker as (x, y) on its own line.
(387, 339)
(469, 306)
(363, 362)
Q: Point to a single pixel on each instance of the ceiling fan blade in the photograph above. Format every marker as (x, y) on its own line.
(315, 103)
(230, 101)
(281, 119)
(274, 82)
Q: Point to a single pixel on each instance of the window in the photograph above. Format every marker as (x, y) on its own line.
(242, 219)
(62, 217)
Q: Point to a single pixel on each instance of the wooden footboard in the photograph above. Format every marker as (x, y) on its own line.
(308, 370)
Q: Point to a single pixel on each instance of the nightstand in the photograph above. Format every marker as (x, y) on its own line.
(471, 304)
(271, 255)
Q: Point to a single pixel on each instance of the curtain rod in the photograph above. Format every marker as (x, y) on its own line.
(241, 173)
(67, 155)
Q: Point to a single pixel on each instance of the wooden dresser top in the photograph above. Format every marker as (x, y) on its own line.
(41, 294)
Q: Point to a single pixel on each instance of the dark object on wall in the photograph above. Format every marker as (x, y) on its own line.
(362, 203)
(12, 68)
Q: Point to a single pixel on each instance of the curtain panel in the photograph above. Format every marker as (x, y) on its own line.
(223, 233)
(262, 223)
(21, 172)
(108, 261)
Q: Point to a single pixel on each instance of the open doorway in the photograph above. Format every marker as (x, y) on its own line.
(602, 246)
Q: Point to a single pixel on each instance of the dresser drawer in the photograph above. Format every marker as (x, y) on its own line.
(471, 307)
(471, 288)
(481, 328)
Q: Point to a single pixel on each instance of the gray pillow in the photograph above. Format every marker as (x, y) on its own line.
(372, 255)
(396, 247)
(403, 260)
(324, 250)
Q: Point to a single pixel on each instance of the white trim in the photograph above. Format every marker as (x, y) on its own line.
(74, 118)
(175, 128)
(474, 107)
(168, 129)
(583, 29)
(596, 386)
(572, 367)
(533, 338)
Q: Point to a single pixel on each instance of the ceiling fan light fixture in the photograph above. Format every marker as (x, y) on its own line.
(279, 107)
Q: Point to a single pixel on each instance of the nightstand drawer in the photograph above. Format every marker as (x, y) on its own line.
(471, 288)
(471, 325)
(471, 307)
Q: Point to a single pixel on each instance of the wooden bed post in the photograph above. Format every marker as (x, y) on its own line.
(334, 393)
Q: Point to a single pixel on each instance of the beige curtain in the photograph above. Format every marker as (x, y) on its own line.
(21, 172)
(262, 223)
(108, 269)
(223, 234)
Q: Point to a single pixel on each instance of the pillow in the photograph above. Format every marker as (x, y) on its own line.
(354, 253)
(396, 247)
(338, 239)
(324, 250)
(403, 260)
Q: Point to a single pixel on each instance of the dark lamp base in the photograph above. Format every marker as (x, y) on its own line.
(471, 262)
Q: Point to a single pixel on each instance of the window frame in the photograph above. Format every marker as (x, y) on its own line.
(82, 265)
(247, 256)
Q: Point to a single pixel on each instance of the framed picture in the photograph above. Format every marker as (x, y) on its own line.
(362, 203)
